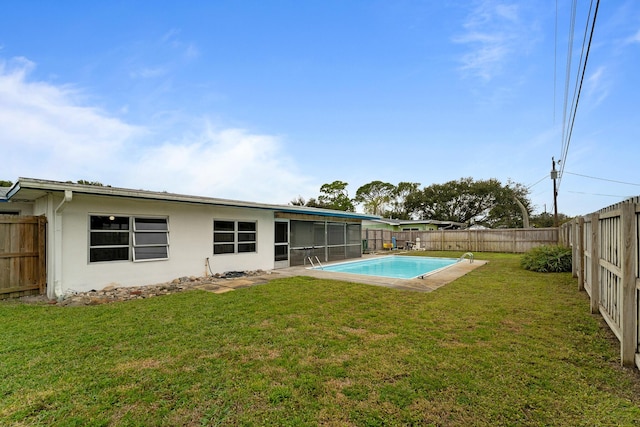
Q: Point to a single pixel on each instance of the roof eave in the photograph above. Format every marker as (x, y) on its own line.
(45, 185)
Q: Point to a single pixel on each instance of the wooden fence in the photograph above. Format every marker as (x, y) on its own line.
(22, 255)
(606, 263)
(513, 240)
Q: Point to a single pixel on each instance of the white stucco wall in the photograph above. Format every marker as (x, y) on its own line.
(190, 242)
(21, 208)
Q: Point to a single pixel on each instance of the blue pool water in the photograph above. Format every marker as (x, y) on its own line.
(396, 267)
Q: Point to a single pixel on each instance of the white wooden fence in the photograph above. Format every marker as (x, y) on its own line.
(606, 262)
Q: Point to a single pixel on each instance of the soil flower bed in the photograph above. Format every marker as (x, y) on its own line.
(219, 283)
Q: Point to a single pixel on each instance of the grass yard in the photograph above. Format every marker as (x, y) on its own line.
(500, 346)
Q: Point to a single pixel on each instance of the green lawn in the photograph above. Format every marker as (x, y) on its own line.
(500, 346)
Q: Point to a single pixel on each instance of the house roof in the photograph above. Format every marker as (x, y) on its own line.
(30, 189)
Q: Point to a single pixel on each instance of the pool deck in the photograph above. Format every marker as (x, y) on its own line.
(428, 284)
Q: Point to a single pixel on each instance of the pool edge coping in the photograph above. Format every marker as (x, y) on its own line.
(430, 282)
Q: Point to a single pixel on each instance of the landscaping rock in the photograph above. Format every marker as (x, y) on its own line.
(113, 293)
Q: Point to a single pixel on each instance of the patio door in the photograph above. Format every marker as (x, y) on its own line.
(281, 240)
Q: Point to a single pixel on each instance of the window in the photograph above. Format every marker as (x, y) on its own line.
(112, 238)
(108, 238)
(224, 237)
(234, 237)
(150, 238)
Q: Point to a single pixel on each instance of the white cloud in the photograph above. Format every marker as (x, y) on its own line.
(635, 38)
(169, 35)
(46, 132)
(493, 33)
(176, 53)
(148, 72)
(171, 38)
(597, 87)
(227, 163)
(191, 51)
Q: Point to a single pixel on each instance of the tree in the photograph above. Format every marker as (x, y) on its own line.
(335, 196)
(4, 183)
(401, 193)
(298, 201)
(511, 207)
(375, 196)
(545, 219)
(312, 203)
(458, 201)
(485, 202)
(96, 183)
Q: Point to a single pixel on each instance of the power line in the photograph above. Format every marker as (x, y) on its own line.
(597, 194)
(565, 138)
(567, 78)
(538, 182)
(603, 179)
(579, 91)
(555, 63)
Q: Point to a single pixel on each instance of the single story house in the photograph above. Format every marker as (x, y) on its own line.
(100, 235)
(410, 225)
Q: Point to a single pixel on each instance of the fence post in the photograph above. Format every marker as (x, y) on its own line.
(580, 258)
(573, 237)
(595, 263)
(628, 319)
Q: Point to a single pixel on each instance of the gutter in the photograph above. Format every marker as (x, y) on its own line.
(68, 196)
(13, 190)
(48, 186)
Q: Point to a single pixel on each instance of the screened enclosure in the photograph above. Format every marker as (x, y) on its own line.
(327, 240)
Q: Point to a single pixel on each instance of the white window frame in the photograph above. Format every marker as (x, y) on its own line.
(138, 234)
(139, 238)
(233, 238)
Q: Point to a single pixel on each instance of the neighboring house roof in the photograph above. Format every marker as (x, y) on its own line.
(3, 193)
(29, 189)
(478, 227)
(401, 222)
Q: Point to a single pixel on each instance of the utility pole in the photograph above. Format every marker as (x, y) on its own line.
(554, 176)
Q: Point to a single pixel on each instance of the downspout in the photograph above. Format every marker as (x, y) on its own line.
(57, 240)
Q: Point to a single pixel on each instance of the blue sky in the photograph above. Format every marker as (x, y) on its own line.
(268, 100)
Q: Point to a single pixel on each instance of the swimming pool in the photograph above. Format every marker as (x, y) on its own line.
(395, 267)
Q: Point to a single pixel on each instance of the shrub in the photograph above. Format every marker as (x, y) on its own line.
(547, 259)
